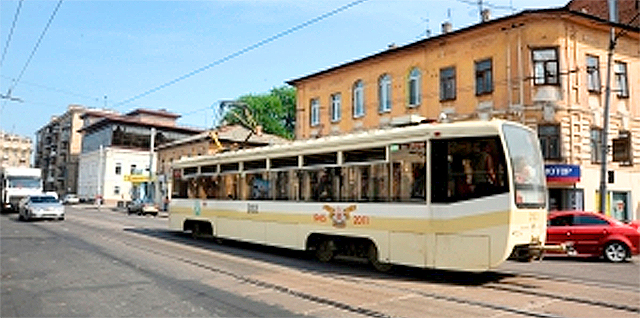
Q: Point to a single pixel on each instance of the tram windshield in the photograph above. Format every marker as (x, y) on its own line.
(526, 162)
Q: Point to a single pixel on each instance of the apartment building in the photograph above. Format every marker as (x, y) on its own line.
(116, 161)
(544, 68)
(15, 150)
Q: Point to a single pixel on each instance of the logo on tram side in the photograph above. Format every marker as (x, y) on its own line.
(338, 215)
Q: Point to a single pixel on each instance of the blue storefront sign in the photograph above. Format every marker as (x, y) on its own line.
(562, 173)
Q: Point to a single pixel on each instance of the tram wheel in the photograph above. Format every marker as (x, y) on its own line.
(375, 261)
(325, 251)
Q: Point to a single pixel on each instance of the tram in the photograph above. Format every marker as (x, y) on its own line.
(457, 196)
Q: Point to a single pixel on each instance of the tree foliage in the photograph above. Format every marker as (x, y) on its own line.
(274, 111)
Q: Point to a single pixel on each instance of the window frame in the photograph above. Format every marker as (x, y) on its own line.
(414, 83)
(336, 107)
(621, 79)
(550, 67)
(448, 83)
(484, 76)
(593, 74)
(595, 141)
(384, 93)
(314, 112)
(547, 141)
(358, 99)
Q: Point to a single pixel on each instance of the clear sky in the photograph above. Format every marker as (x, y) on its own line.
(174, 54)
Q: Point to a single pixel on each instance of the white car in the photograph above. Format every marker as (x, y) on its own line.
(70, 199)
(40, 206)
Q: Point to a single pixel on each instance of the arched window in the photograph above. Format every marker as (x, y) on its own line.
(358, 99)
(415, 78)
(384, 93)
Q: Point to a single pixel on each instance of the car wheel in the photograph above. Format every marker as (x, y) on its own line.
(616, 252)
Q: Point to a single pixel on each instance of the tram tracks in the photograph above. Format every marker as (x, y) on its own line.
(417, 288)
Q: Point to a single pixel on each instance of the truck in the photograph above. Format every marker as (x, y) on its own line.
(17, 183)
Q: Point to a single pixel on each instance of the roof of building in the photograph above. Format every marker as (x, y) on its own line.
(230, 133)
(108, 117)
(567, 9)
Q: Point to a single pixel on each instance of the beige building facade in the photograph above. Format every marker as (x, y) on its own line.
(15, 150)
(544, 68)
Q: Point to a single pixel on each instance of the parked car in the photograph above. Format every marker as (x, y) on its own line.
(70, 199)
(142, 207)
(593, 234)
(40, 206)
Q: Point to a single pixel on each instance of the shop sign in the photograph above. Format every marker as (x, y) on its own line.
(562, 173)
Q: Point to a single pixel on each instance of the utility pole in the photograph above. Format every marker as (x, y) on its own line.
(607, 101)
(150, 184)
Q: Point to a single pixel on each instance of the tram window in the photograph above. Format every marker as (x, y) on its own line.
(380, 182)
(256, 186)
(330, 158)
(211, 186)
(179, 188)
(190, 171)
(365, 155)
(286, 162)
(255, 165)
(229, 167)
(229, 186)
(283, 183)
(321, 184)
(467, 168)
(209, 169)
(409, 171)
(357, 183)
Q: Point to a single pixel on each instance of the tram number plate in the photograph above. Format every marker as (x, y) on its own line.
(252, 208)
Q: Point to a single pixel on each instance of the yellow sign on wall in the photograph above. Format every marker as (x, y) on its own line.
(136, 178)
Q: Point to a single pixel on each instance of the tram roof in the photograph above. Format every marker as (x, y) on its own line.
(352, 141)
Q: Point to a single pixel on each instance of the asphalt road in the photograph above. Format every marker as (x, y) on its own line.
(108, 264)
(57, 269)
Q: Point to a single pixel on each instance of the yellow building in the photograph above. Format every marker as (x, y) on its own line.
(545, 68)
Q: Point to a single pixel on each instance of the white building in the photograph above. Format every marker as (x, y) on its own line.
(117, 158)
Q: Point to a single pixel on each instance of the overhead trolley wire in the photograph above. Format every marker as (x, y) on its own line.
(13, 25)
(35, 48)
(243, 51)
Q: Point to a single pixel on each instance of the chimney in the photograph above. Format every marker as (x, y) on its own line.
(486, 15)
(446, 27)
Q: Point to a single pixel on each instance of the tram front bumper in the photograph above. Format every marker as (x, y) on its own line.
(529, 252)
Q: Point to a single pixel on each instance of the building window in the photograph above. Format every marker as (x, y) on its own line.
(315, 112)
(415, 77)
(484, 80)
(336, 107)
(384, 93)
(549, 136)
(116, 190)
(593, 74)
(545, 66)
(118, 169)
(358, 99)
(448, 83)
(620, 78)
(596, 145)
(133, 169)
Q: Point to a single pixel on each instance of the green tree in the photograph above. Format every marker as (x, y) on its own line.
(275, 111)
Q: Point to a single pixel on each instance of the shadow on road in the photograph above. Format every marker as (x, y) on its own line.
(304, 261)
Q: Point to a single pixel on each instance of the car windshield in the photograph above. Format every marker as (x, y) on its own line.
(23, 182)
(44, 199)
(526, 164)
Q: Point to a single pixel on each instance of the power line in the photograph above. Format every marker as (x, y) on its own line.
(13, 25)
(243, 51)
(35, 48)
(93, 98)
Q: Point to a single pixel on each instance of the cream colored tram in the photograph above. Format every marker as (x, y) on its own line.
(461, 196)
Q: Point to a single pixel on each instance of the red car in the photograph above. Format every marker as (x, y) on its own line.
(593, 234)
